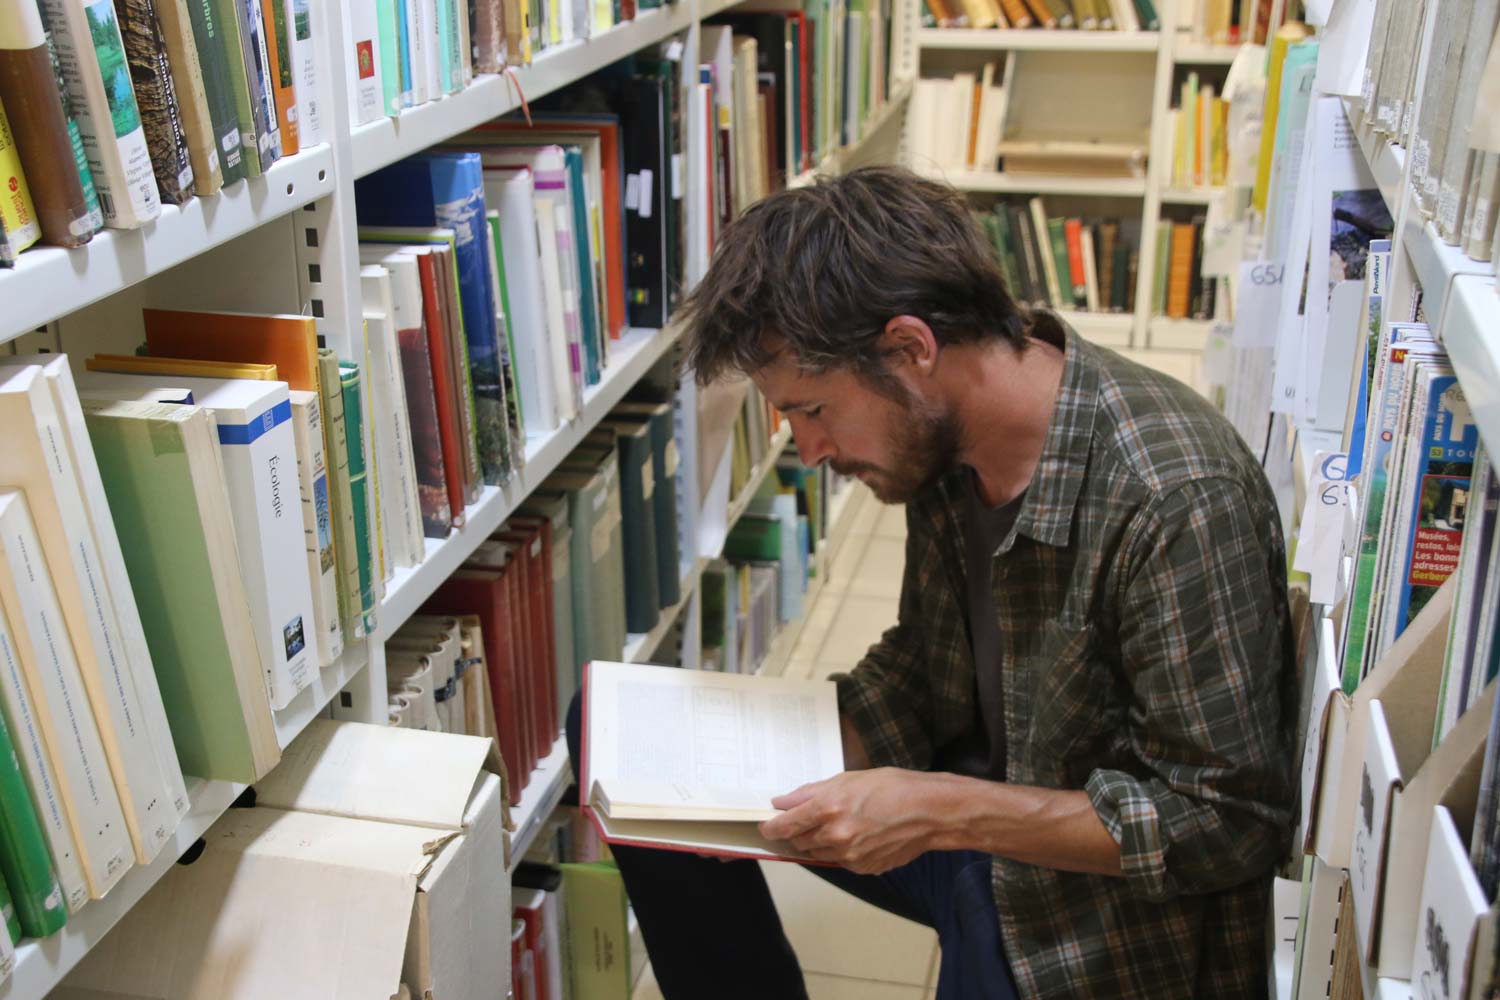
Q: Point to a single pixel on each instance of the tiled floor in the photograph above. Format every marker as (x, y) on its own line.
(849, 949)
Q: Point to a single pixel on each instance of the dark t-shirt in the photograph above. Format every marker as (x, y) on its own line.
(982, 753)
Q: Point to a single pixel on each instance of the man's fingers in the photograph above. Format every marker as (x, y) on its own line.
(797, 796)
(794, 822)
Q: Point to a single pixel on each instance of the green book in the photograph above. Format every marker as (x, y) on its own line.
(515, 415)
(1005, 242)
(598, 542)
(230, 52)
(597, 958)
(1160, 275)
(354, 441)
(637, 492)
(340, 502)
(160, 466)
(1150, 21)
(24, 860)
(754, 537)
(393, 95)
(219, 88)
(1057, 239)
(664, 461)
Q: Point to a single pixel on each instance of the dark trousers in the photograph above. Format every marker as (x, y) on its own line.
(713, 932)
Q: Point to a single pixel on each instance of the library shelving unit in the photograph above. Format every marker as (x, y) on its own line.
(287, 243)
(1147, 61)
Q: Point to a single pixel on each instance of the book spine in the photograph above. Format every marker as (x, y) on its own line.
(427, 448)
(515, 449)
(317, 525)
(24, 861)
(367, 87)
(445, 391)
(258, 80)
(75, 137)
(232, 51)
(218, 87)
(19, 228)
(1180, 278)
(92, 55)
(156, 97)
(279, 70)
(304, 53)
(349, 382)
(192, 95)
(490, 48)
(31, 95)
(1073, 237)
(397, 466)
(345, 546)
(55, 682)
(1057, 241)
(26, 731)
(1160, 277)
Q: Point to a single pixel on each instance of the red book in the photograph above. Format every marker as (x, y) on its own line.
(444, 392)
(799, 21)
(530, 909)
(501, 557)
(544, 528)
(483, 593)
(1073, 230)
(535, 565)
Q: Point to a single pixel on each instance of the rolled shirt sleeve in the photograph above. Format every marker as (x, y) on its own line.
(1205, 644)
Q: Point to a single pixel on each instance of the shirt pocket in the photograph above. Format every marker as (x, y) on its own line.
(1075, 711)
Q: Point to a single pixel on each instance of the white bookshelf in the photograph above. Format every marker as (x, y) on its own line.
(1187, 52)
(1001, 182)
(640, 645)
(539, 798)
(1038, 40)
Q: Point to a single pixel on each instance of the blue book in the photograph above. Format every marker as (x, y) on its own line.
(583, 242)
(1432, 525)
(403, 39)
(447, 190)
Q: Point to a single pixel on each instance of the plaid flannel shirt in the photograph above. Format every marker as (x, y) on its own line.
(1147, 655)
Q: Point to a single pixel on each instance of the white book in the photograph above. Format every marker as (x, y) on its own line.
(59, 377)
(955, 121)
(991, 114)
(691, 760)
(109, 121)
(299, 37)
(21, 718)
(1049, 266)
(317, 524)
(36, 460)
(421, 20)
(511, 191)
(56, 688)
(401, 512)
(552, 298)
(256, 444)
(1090, 271)
(366, 85)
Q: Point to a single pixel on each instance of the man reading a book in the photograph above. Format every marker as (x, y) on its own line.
(1072, 752)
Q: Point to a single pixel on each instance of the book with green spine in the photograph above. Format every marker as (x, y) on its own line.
(359, 496)
(219, 88)
(24, 859)
(1057, 239)
(160, 468)
(230, 52)
(340, 503)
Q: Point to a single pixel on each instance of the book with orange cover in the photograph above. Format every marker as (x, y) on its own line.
(288, 342)
(1041, 13)
(135, 364)
(1073, 231)
(1016, 13)
(1180, 270)
(280, 73)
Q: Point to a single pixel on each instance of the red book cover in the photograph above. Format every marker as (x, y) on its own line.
(543, 527)
(538, 607)
(426, 439)
(530, 909)
(483, 593)
(799, 20)
(458, 363)
(520, 631)
(611, 181)
(443, 390)
(1073, 230)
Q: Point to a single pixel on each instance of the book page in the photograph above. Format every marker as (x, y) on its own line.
(670, 738)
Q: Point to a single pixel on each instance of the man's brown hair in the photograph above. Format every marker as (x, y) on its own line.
(819, 271)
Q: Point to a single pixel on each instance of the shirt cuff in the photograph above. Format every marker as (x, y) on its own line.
(1128, 811)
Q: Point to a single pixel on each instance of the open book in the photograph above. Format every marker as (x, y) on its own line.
(690, 760)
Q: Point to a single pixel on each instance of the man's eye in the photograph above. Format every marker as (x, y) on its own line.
(813, 411)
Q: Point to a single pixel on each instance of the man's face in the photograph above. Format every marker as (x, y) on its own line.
(896, 443)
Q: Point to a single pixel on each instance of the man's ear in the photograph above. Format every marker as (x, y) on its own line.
(909, 342)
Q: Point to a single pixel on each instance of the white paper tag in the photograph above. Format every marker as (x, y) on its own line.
(676, 176)
(645, 205)
(632, 192)
(674, 51)
(648, 479)
(536, 547)
(670, 458)
(1259, 305)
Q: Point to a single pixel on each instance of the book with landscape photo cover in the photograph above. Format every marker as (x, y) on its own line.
(690, 760)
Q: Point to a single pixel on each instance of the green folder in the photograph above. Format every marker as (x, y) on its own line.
(354, 438)
(24, 859)
(664, 462)
(597, 960)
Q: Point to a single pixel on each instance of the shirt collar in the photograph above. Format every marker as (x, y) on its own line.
(1047, 514)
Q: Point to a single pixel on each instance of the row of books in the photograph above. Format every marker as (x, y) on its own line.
(1199, 127)
(109, 110)
(1053, 262)
(1230, 22)
(1180, 290)
(407, 53)
(90, 783)
(1086, 15)
(958, 122)
(1451, 138)
(570, 934)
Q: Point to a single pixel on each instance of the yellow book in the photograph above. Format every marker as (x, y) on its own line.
(1285, 37)
(1179, 148)
(1219, 174)
(19, 228)
(132, 364)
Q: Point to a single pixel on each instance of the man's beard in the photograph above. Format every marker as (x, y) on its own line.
(925, 449)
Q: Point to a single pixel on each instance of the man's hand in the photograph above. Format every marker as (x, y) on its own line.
(866, 821)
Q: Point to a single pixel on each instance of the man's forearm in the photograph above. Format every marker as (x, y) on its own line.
(1040, 826)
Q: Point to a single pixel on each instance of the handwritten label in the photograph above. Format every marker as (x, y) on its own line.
(1259, 305)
